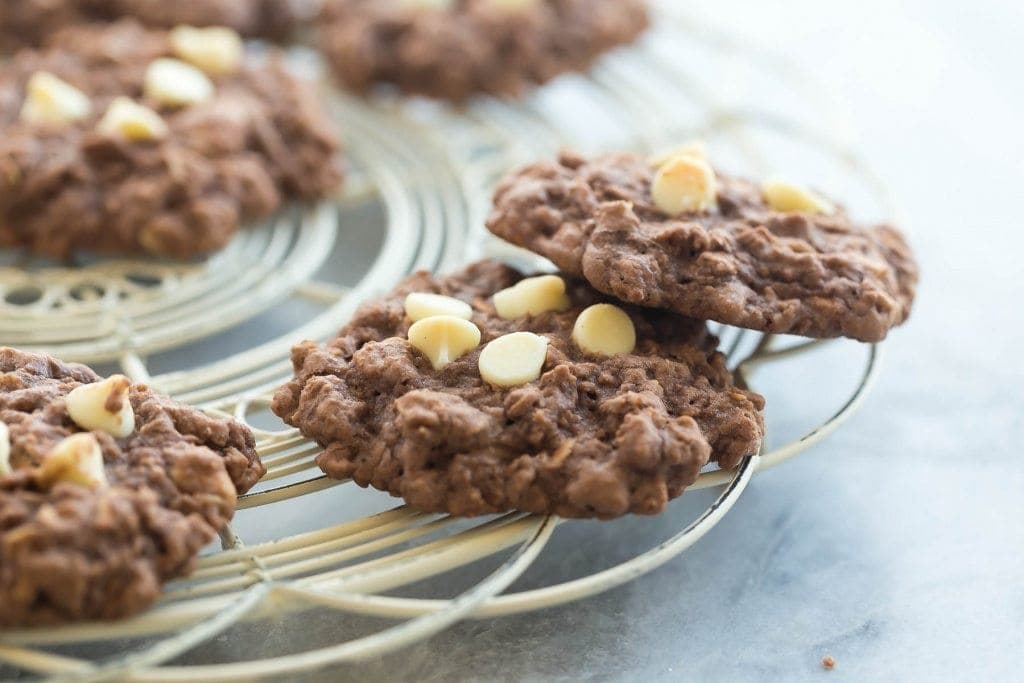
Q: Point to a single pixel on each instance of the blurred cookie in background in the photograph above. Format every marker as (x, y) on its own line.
(28, 23)
(453, 49)
(124, 140)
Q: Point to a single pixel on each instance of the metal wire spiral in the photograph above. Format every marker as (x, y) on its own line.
(432, 169)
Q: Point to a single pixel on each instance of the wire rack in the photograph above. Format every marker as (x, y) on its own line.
(430, 170)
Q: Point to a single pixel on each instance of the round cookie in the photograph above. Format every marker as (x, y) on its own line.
(453, 50)
(216, 148)
(774, 258)
(93, 521)
(554, 428)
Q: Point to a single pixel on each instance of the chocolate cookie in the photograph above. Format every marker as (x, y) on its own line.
(258, 18)
(508, 411)
(774, 258)
(457, 49)
(123, 140)
(28, 23)
(107, 490)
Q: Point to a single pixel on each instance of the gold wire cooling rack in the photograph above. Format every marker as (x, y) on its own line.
(430, 171)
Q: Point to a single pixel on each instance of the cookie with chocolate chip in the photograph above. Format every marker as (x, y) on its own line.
(773, 257)
(458, 48)
(123, 140)
(107, 490)
(485, 391)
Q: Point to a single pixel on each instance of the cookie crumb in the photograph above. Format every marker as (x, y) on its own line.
(828, 663)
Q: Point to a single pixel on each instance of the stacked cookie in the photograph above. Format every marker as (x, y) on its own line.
(486, 391)
(107, 490)
(597, 391)
(671, 232)
(121, 139)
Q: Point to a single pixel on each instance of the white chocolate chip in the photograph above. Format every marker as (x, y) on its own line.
(103, 406)
(77, 459)
(132, 121)
(684, 183)
(444, 338)
(51, 100)
(174, 83)
(217, 50)
(785, 196)
(420, 305)
(5, 450)
(694, 149)
(532, 296)
(513, 360)
(605, 330)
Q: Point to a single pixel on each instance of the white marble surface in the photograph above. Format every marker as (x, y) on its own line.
(897, 546)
